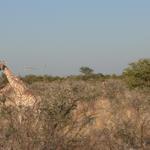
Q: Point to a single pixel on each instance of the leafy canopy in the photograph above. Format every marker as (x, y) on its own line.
(138, 74)
(86, 70)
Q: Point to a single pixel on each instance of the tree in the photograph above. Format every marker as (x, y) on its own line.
(86, 70)
(138, 74)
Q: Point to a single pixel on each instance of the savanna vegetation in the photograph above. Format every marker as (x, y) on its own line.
(91, 111)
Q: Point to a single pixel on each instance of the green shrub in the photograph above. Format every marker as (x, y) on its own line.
(45, 78)
(138, 74)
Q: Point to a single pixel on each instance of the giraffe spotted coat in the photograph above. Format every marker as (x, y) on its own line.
(16, 90)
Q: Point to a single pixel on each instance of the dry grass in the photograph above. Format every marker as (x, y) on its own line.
(80, 115)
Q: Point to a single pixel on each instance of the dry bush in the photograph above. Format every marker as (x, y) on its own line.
(69, 117)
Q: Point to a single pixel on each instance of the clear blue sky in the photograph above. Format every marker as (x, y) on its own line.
(58, 36)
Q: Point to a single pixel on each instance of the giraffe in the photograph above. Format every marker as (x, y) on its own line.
(23, 95)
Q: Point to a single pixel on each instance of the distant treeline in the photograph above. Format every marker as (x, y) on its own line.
(86, 73)
(137, 74)
(31, 78)
(47, 78)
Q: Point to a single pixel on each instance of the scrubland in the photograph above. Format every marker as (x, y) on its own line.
(79, 114)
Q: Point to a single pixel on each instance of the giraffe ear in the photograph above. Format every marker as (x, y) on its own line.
(2, 67)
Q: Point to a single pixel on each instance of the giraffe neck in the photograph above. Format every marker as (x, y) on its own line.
(15, 82)
(9, 75)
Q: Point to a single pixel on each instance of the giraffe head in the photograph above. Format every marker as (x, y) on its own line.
(2, 65)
